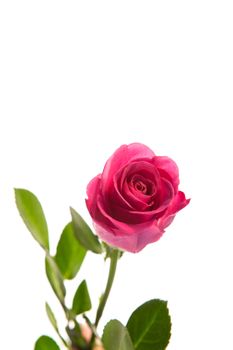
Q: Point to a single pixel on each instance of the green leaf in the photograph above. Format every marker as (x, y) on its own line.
(33, 216)
(84, 234)
(55, 278)
(51, 316)
(150, 326)
(70, 253)
(53, 321)
(46, 343)
(116, 337)
(82, 301)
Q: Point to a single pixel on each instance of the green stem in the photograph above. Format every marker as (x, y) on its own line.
(90, 324)
(112, 271)
(72, 318)
(62, 339)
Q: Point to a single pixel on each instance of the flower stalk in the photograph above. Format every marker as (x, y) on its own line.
(115, 254)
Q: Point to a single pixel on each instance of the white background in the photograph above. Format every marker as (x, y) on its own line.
(77, 80)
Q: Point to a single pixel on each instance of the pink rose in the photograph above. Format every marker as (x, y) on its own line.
(135, 198)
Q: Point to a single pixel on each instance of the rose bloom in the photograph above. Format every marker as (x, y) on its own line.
(135, 198)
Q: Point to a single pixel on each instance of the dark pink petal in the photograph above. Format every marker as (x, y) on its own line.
(123, 225)
(132, 217)
(149, 189)
(178, 203)
(166, 193)
(136, 217)
(121, 157)
(145, 207)
(116, 196)
(107, 217)
(168, 168)
(143, 167)
(141, 236)
(137, 200)
(93, 189)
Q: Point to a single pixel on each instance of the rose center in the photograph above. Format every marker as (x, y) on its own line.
(140, 186)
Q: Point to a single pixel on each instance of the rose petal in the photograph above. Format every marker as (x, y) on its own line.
(150, 187)
(139, 202)
(178, 203)
(92, 191)
(137, 217)
(143, 168)
(144, 211)
(166, 193)
(117, 197)
(122, 156)
(136, 241)
(106, 217)
(168, 167)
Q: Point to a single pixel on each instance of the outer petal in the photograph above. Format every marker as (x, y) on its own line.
(168, 166)
(93, 189)
(122, 156)
(132, 238)
(116, 226)
(178, 203)
(142, 235)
